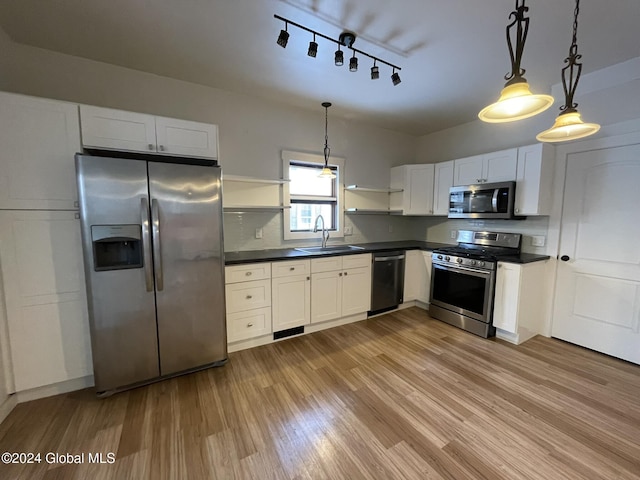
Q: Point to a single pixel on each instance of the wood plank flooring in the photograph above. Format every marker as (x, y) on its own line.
(399, 396)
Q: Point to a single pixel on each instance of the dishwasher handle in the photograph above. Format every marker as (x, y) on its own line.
(385, 259)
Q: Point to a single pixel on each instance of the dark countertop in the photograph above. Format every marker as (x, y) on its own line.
(256, 256)
(272, 255)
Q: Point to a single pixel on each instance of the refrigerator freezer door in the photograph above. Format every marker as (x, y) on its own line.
(186, 206)
(113, 194)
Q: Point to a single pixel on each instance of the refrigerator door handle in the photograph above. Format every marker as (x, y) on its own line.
(146, 243)
(157, 249)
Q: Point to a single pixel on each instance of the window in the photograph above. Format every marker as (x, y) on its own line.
(310, 195)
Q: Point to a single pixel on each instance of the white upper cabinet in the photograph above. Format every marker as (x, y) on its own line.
(416, 183)
(534, 179)
(38, 140)
(442, 181)
(137, 132)
(488, 168)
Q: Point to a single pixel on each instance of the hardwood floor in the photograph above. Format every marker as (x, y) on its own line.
(400, 396)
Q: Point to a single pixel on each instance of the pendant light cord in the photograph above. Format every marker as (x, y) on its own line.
(327, 150)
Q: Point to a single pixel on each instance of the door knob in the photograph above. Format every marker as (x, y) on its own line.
(565, 258)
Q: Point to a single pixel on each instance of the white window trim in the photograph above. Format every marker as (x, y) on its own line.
(287, 157)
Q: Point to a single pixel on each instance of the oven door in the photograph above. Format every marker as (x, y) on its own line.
(464, 290)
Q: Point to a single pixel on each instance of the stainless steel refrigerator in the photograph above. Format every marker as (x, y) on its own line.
(154, 264)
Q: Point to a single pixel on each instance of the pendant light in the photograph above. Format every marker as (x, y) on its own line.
(569, 125)
(516, 100)
(326, 171)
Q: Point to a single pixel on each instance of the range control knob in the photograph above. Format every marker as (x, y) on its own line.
(459, 260)
(447, 258)
(481, 263)
(473, 262)
(439, 257)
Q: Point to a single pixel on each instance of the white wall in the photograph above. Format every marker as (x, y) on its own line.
(253, 132)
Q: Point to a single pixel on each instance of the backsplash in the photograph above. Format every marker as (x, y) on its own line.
(240, 231)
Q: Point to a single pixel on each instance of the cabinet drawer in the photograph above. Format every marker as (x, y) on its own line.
(248, 272)
(354, 261)
(248, 295)
(328, 264)
(290, 267)
(249, 324)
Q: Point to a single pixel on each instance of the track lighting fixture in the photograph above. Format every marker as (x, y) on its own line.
(569, 125)
(326, 171)
(375, 71)
(283, 38)
(339, 57)
(313, 47)
(516, 100)
(346, 39)
(353, 63)
(395, 78)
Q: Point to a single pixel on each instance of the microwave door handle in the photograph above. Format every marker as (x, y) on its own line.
(146, 243)
(157, 249)
(494, 200)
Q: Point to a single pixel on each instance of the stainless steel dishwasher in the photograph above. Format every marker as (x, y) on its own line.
(387, 281)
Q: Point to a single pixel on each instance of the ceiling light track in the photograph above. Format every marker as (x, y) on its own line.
(346, 39)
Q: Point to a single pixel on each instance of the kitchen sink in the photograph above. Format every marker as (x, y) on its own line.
(332, 249)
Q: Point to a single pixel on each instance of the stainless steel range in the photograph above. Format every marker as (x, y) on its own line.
(463, 279)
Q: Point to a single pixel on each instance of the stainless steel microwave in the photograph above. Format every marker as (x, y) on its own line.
(485, 200)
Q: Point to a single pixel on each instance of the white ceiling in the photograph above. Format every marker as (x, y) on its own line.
(453, 54)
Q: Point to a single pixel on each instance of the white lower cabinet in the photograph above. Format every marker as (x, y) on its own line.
(290, 294)
(43, 278)
(519, 302)
(417, 276)
(248, 301)
(340, 286)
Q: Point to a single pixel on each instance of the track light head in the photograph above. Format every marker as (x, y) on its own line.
(353, 63)
(339, 59)
(313, 49)
(283, 38)
(395, 78)
(375, 71)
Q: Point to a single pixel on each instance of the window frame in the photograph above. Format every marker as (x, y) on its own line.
(289, 156)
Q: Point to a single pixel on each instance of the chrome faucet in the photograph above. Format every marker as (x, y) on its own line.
(325, 232)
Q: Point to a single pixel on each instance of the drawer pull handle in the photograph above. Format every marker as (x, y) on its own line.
(292, 268)
(308, 278)
(248, 274)
(249, 297)
(345, 274)
(249, 325)
(340, 274)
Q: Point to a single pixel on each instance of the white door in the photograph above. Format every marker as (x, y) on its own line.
(420, 186)
(468, 171)
(443, 180)
(500, 166)
(597, 302)
(182, 137)
(356, 291)
(290, 301)
(117, 129)
(326, 296)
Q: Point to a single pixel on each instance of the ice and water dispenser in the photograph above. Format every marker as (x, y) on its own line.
(116, 247)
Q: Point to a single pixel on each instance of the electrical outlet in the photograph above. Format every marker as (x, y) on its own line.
(454, 234)
(348, 230)
(538, 240)
(258, 233)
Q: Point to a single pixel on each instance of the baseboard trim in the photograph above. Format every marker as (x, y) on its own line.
(55, 389)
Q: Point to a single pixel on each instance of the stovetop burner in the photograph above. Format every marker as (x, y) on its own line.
(479, 249)
(477, 252)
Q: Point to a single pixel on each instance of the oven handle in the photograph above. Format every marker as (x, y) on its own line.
(486, 273)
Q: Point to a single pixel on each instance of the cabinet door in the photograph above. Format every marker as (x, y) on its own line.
(505, 307)
(500, 166)
(443, 180)
(38, 140)
(468, 171)
(117, 129)
(413, 259)
(43, 277)
(534, 179)
(290, 301)
(356, 291)
(326, 296)
(425, 277)
(419, 190)
(181, 137)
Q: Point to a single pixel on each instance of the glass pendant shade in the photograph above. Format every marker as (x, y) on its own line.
(568, 126)
(327, 173)
(515, 103)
